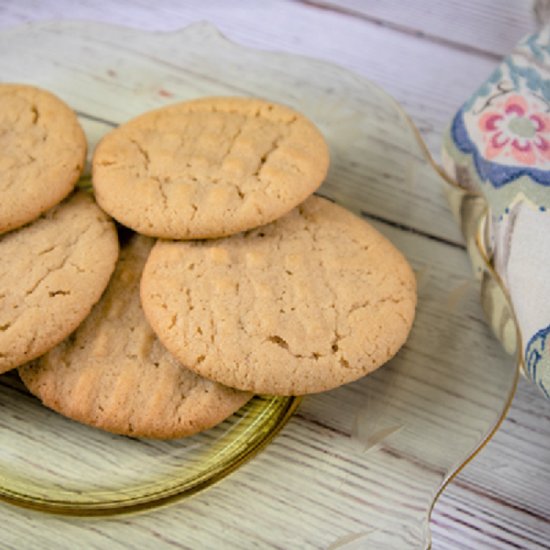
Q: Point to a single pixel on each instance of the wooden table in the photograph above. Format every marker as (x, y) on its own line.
(430, 55)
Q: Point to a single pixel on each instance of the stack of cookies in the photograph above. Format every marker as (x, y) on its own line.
(233, 280)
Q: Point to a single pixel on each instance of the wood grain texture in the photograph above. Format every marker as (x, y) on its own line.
(480, 27)
(430, 80)
(500, 499)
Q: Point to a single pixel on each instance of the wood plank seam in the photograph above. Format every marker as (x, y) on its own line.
(403, 29)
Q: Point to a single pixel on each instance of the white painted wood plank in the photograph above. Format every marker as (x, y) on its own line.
(430, 80)
(506, 484)
(486, 27)
(484, 524)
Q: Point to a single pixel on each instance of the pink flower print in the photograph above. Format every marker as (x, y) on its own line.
(518, 130)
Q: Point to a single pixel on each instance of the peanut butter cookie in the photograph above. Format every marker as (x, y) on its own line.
(208, 168)
(52, 271)
(114, 374)
(42, 153)
(311, 301)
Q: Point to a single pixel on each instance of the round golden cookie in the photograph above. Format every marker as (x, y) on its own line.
(42, 153)
(309, 302)
(114, 374)
(208, 168)
(52, 272)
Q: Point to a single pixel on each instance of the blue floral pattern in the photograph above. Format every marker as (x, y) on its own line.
(537, 359)
(498, 144)
(487, 171)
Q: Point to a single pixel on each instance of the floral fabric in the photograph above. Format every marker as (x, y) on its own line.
(498, 144)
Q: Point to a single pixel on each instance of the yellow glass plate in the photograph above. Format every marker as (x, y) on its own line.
(356, 467)
(53, 464)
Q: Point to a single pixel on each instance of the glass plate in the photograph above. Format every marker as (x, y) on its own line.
(356, 467)
(54, 464)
